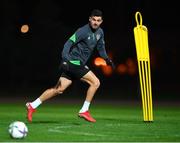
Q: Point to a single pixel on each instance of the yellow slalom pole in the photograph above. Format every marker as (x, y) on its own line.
(143, 58)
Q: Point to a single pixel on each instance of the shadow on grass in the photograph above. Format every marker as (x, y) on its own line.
(122, 120)
(53, 122)
(44, 122)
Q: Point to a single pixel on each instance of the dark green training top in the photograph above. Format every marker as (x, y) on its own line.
(81, 44)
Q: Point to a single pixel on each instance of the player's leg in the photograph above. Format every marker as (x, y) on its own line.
(94, 84)
(61, 85)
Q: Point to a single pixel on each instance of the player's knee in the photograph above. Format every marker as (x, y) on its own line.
(53, 91)
(60, 90)
(96, 83)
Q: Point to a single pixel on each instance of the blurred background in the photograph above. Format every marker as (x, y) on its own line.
(33, 34)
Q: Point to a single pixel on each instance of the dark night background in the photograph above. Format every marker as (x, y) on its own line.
(29, 61)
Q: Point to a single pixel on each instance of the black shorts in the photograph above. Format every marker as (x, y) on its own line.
(72, 71)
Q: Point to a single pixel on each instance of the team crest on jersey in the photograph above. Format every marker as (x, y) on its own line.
(98, 36)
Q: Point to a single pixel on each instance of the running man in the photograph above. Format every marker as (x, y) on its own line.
(75, 55)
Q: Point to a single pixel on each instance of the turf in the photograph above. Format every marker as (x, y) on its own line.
(115, 123)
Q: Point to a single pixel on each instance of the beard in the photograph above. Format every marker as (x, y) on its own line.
(95, 26)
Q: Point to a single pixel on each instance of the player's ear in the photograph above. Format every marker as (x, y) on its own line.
(89, 18)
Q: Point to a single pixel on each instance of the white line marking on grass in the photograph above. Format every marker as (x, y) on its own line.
(76, 133)
(88, 134)
(63, 127)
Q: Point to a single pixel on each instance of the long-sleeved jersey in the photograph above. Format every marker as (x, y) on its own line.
(81, 44)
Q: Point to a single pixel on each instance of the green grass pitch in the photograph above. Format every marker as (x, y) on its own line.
(115, 123)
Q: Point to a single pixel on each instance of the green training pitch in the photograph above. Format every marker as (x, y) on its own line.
(115, 123)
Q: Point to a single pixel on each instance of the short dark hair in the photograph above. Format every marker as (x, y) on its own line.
(96, 12)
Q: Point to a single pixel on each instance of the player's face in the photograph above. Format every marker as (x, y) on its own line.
(95, 21)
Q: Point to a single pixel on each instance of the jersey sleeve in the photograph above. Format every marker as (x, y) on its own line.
(73, 40)
(101, 47)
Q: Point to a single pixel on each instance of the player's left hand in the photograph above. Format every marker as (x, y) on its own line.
(110, 62)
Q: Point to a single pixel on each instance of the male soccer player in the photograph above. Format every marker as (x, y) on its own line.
(75, 54)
